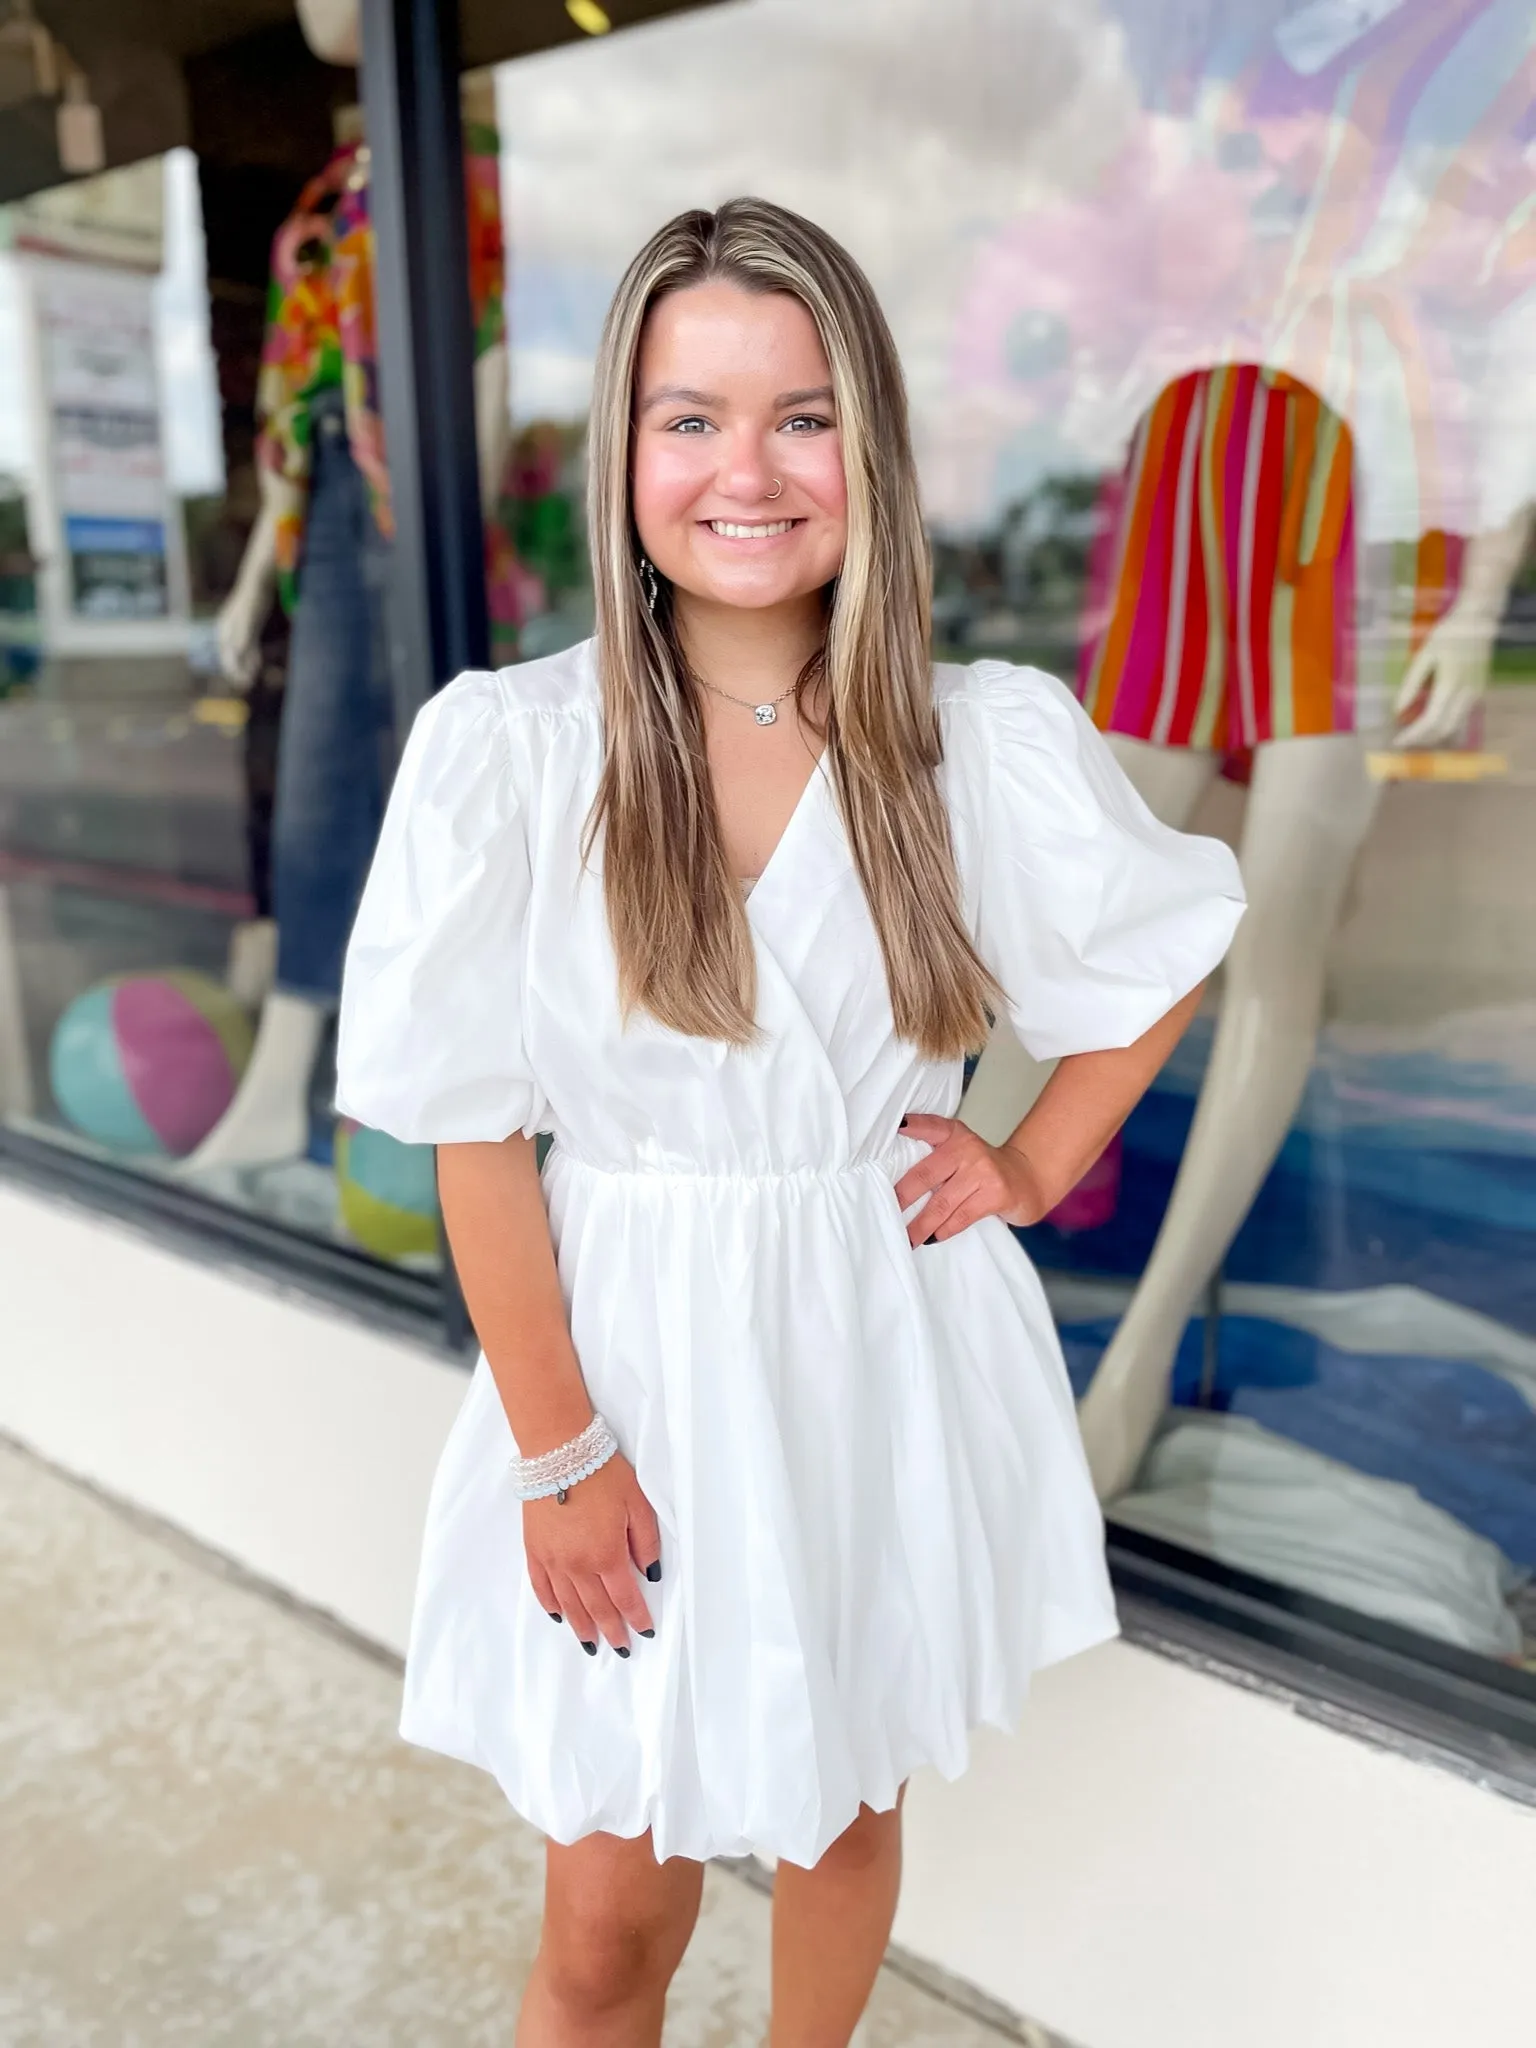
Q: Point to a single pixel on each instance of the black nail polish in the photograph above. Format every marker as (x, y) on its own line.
(590, 1648)
(902, 1125)
(931, 1238)
(647, 1631)
(619, 1652)
(554, 1614)
(653, 1570)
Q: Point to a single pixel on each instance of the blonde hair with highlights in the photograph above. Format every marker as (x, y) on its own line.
(677, 920)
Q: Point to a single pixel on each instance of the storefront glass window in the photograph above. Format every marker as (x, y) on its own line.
(1219, 318)
(198, 716)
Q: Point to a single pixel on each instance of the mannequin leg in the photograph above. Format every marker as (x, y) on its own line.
(266, 1120)
(1170, 781)
(333, 760)
(252, 967)
(269, 1117)
(1309, 809)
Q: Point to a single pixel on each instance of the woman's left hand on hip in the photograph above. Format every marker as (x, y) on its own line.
(965, 1179)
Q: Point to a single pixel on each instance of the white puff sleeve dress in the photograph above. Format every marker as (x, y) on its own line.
(876, 1518)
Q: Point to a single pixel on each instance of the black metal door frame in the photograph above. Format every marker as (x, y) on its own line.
(410, 79)
(437, 617)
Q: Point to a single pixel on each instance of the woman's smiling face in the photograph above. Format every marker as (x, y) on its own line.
(732, 393)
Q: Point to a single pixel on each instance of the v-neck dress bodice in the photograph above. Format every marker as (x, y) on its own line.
(876, 1516)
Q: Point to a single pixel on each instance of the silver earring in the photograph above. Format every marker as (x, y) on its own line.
(649, 584)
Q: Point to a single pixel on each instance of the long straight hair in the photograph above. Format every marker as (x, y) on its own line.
(676, 917)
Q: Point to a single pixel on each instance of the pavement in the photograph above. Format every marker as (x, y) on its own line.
(216, 1839)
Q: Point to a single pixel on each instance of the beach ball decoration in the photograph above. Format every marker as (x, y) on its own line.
(146, 1064)
(386, 1191)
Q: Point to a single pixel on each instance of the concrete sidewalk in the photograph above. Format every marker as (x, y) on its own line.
(215, 1838)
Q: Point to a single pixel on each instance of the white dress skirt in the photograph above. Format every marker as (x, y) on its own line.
(876, 1516)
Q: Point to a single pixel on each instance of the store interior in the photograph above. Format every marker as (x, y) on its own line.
(1295, 1295)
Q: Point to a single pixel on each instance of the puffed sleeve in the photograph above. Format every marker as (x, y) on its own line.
(1095, 917)
(429, 1044)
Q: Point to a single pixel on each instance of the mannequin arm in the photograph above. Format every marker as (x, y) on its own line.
(244, 611)
(493, 424)
(1459, 647)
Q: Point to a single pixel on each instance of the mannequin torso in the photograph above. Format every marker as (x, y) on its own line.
(271, 551)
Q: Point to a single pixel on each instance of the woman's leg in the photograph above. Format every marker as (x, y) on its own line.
(616, 1923)
(831, 1924)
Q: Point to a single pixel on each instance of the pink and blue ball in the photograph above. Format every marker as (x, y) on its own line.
(146, 1064)
(386, 1191)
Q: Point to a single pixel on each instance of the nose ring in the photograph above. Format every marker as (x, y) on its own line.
(778, 488)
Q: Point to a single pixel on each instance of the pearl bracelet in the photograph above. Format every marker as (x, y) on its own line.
(558, 1470)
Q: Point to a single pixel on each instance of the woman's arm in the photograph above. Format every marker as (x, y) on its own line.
(1078, 1111)
(582, 1554)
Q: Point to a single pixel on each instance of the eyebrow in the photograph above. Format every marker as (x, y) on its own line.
(683, 394)
(680, 394)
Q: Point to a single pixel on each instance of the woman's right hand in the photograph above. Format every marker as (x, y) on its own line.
(583, 1554)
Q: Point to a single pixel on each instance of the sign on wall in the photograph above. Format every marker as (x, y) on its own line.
(108, 461)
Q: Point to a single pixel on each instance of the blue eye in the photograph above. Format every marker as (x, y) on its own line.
(807, 419)
(693, 424)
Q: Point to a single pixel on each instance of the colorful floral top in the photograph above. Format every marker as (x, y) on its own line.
(320, 323)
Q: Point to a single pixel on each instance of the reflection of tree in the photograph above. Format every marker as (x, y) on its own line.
(537, 560)
(1514, 654)
(16, 560)
(544, 496)
(1016, 588)
(18, 590)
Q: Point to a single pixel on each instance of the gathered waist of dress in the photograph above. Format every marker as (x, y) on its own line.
(887, 1164)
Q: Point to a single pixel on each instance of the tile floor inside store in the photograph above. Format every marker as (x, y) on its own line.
(216, 1840)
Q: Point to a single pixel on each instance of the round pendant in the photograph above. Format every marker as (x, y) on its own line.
(765, 714)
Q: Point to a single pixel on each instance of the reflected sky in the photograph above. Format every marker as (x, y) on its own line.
(1064, 207)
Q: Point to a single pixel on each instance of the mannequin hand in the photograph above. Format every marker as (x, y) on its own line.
(1456, 655)
(238, 630)
(583, 1554)
(965, 1179)
(239, 624)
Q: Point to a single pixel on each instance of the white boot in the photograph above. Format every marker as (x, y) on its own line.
(269, 1117)
(252, 965)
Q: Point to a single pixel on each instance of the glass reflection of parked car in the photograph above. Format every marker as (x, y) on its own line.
(1016, 589)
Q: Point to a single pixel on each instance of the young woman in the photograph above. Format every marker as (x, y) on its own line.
(771, 1418)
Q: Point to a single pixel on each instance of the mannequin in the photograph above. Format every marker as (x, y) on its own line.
(1209, 642)
(1311, 799)
(269, 1117)
(1310, 806)
(1309, 809)
(1453, 663)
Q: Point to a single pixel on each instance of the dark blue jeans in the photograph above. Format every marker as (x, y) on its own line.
(335, 742)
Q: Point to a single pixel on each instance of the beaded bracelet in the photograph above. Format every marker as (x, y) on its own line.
(558, 1470)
